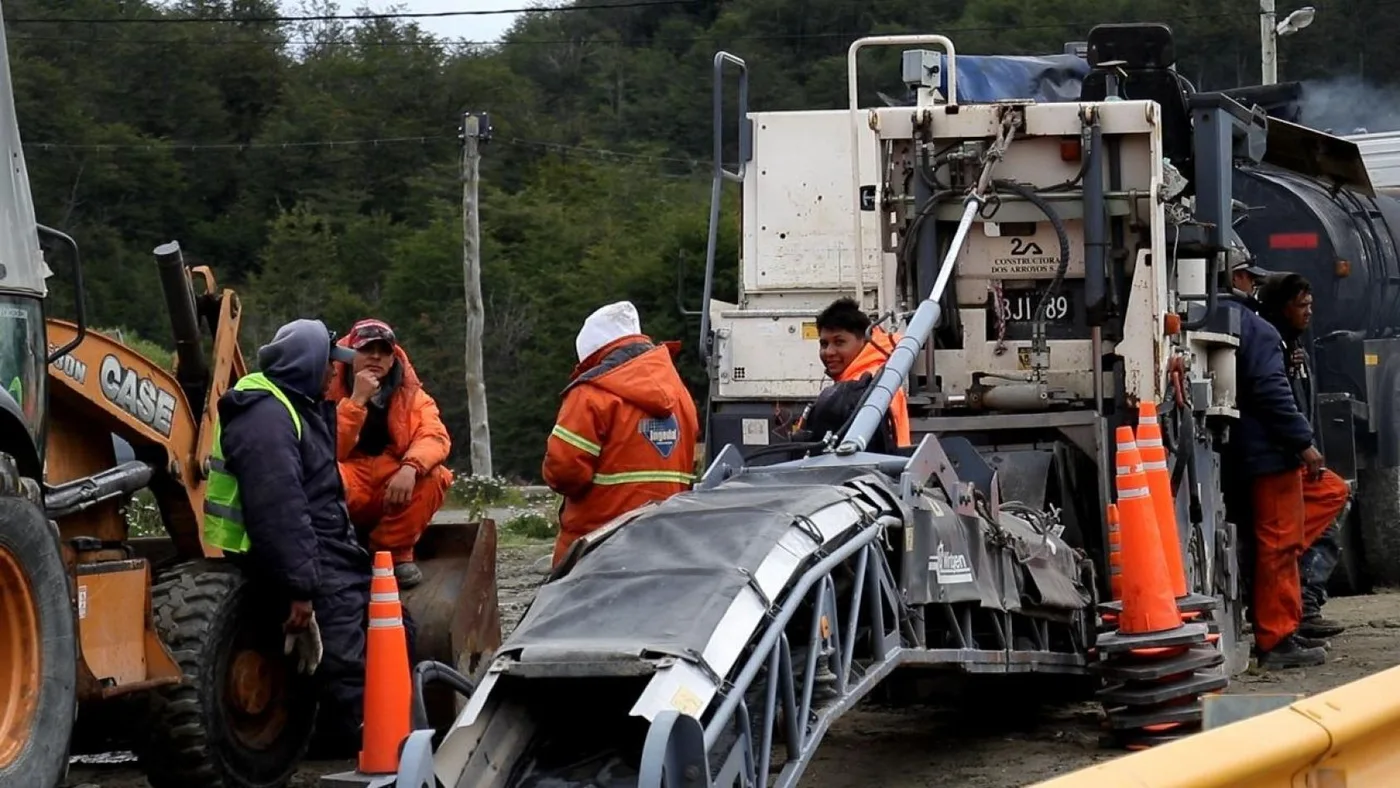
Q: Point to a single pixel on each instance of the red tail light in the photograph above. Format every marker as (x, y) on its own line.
(1293, 241)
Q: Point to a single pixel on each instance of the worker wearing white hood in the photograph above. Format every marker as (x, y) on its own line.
(627, 428)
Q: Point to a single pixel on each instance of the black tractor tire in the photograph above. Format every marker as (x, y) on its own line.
(36, 621)
(1378, 515)
(220, 626)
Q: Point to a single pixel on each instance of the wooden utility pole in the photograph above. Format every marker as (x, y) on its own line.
(476, 129)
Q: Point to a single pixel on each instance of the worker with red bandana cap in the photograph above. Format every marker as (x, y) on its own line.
(391, 445)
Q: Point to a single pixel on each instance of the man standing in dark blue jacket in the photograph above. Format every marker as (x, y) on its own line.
(1273, 444)
(1286, 302)
(276, 445)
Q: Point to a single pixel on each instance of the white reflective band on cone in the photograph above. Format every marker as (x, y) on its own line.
(392, 596)
(1128, 445)
(1155, 466)
(382, 572)
(1135, 492)
(1152, 443)
(385, 623)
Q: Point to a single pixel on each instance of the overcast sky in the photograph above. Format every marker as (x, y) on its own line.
(472, 28)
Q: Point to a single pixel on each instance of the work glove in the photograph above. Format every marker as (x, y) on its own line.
(307, 644)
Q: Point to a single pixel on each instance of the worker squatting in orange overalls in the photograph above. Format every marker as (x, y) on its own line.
(391, 444)
(626, 431)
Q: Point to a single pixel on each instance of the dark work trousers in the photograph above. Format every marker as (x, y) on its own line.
(1318, 563)
(343, 617)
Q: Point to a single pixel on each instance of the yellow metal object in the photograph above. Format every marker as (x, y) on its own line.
(1348, 737)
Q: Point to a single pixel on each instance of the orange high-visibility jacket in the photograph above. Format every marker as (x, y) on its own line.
(417, 435)
(870, 359)
(625, 436)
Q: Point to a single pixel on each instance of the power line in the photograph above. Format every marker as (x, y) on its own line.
(282, 19)
(198, 146)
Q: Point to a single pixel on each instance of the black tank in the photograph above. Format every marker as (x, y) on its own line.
(1343, 242)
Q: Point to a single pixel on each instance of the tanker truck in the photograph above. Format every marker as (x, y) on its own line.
(1347, 243)
(713, 638)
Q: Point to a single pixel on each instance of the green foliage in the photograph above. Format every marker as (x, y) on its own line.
(477, 494)
(532, 526)
(142, 515)
(594, 187)
(163, 357)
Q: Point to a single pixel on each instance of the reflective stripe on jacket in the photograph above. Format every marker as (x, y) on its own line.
(223, 509)
(625, 435)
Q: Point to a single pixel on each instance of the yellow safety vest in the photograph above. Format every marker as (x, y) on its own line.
(223, 508)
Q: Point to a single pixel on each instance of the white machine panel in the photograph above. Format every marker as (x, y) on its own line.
(1381, 154)
(797, 205)
(774, 357)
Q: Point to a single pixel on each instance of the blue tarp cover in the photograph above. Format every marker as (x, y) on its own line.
(1046, 78)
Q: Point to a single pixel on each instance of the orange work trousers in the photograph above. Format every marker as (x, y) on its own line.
(393, 529)
(1290, 513)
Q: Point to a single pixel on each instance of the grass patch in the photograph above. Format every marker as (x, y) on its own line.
(532, 525)
(476, 494)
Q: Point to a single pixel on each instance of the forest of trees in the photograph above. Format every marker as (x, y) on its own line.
(313, 160)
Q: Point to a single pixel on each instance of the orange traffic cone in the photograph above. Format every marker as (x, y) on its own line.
(1154, 464)
(388, 681)
(1155, 664)
(1148, 604)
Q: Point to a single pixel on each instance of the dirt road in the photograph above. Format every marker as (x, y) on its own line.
(935, 748)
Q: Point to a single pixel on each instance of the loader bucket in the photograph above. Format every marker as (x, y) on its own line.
(454, 608)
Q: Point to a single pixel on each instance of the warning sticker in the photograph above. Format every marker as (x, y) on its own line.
(686, 702)
(82, 602)
(755, 432)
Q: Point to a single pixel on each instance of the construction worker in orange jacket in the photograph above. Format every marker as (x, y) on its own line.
(626, 431)
(846, 354)
(391, 445)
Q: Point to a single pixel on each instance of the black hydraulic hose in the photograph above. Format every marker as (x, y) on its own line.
(777, 448)
(430, 671)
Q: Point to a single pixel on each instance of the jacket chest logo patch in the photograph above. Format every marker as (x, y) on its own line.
(662, 434)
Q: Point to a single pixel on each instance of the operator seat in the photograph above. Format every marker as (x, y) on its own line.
(1146, 54)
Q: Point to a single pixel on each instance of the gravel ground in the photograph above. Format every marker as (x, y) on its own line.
(924, 747)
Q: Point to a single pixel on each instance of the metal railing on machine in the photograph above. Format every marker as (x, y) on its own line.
(677, 744)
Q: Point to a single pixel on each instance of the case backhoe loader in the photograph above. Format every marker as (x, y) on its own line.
(155, 644)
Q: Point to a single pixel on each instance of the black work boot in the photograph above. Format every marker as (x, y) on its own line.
(1290, 653)
(408, 575)
(1307, 642)
(1315, 626)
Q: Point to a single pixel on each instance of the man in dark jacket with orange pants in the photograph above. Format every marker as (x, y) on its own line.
(1273, 444)
(626, 431)
(1286, 302)
(391, 445)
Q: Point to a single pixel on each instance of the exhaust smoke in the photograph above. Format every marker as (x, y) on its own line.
(1347, 105)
